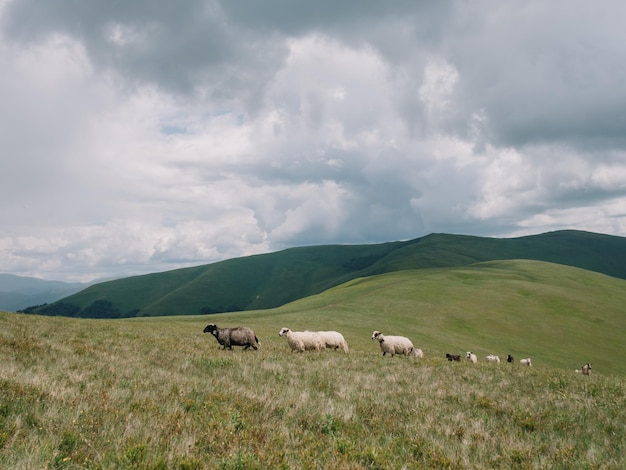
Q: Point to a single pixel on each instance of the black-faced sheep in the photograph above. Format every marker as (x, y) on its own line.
(334, 340)
(393, 344)
(493, 358)
(509, 359)
(301, 341)
(526, 362)
(470, 356)
(453, 357)
(237, 336)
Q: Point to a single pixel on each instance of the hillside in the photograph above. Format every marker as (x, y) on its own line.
(557, 314)
(159, 393)
(271, 280)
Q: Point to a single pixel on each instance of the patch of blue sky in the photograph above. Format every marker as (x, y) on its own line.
(173, 130)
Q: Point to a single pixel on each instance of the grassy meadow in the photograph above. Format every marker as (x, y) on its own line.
(158, 393)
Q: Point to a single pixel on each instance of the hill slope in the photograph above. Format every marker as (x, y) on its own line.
(560, 315)
(158, 393)
(271, 280)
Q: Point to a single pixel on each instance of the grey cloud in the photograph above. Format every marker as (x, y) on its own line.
(186, 48)
(543, 72)
(144, 136)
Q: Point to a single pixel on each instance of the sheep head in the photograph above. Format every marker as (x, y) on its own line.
(284, 331)
(210, 329)
(378, 335)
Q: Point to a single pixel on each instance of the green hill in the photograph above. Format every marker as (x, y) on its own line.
(560, 315)
(159, 393)
(271, 280)
(156, 392)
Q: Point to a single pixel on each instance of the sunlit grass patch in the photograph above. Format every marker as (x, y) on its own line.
(159, 394)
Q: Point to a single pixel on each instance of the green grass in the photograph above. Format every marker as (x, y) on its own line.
(158, 393)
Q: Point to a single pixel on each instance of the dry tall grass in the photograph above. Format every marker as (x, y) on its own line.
(160, 394)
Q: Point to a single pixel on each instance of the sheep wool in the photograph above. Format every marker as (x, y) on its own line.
(393, 344)
(334, 340)
(301, 341)
(493, 358)
(237, 336)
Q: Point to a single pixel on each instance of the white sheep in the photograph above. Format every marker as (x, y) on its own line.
(393, 344)
(334, 340)
(493, 358)
(586, 369)
(301, 341)
(417, 352)
(470, 356)
(526, 362)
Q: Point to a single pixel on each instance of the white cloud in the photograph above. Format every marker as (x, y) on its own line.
(147, 137)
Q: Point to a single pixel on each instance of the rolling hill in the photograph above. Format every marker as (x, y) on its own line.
(557, 314)
(270, 280)
(156, 392)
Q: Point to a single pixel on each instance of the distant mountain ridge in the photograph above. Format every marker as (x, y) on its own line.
(18, 292)
(270, 280)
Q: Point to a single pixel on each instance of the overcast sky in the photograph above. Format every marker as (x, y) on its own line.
(145, 135)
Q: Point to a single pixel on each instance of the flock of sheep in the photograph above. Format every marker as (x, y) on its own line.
(470, 356)
(301, 341)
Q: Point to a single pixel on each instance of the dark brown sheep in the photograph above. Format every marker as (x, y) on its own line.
(237, 336)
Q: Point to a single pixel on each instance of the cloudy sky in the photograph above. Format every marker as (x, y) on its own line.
(146, 135)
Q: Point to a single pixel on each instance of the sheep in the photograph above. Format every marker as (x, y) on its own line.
(509, 359)
(301, 341)
(237, 336)
(526, 362)
(470, 356)
(417, 352)
(493, 358)
(453, 357)
(334, 340)
(586, 369)
(393, 344)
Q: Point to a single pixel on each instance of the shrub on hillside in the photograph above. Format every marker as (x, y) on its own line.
(101, 309)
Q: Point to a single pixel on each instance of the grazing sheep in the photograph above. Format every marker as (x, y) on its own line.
(453, 357)
(470, 356)
(586, 369)
(334, 340)
(238, 336)
(301, 341)
(393, 344)
(417, 352)
(526, 362)
(493, 358)
(509, 359)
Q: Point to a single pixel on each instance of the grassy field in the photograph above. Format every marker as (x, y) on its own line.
(158, 393)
